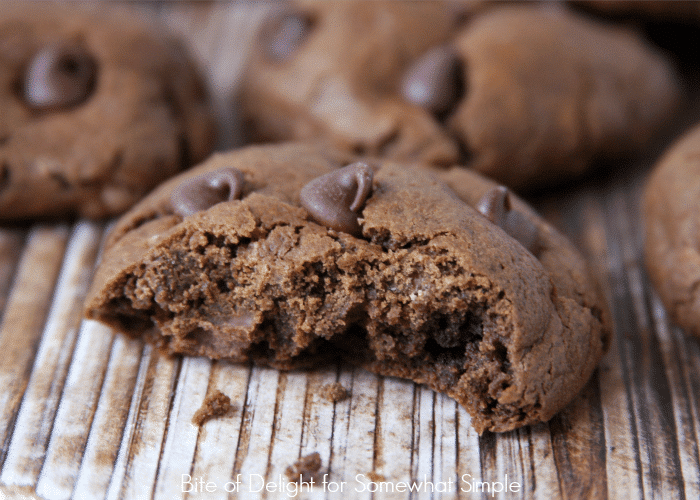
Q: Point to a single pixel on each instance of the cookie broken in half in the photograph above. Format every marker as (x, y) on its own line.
(464, 290)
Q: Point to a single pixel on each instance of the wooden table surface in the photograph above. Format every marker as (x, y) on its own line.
(87, 413)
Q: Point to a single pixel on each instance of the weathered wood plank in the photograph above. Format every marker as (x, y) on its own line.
(181, 438)
(24, 319)
(621, 446)
(253, 454)
(468, 458)
(11, 243)
(317, 432)
(40, 402)
(423, 434)
(676, 360)
(289, 413)
(107, 428)
(445, 447)
(578, 442)
(138, 460)
(76, 411)
(218, 438)
(394, 439)
(652, 408)
(353, 452)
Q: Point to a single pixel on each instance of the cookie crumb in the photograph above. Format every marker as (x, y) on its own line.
(334, 392)
(306, 467)
(215, 405)
(375, 477)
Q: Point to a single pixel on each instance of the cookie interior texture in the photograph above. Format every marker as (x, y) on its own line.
(544, 92)
(431, 291)
(671, 213)
(98, 107)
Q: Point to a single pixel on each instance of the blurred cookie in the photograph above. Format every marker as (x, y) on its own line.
(97, 108)
(283, 256)
(672, 224)
(331, 71)
(530, 95)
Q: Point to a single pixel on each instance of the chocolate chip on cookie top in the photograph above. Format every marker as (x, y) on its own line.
(495, 205)
(336, 198)
(59, 76)
(206, 190)
(434, 80)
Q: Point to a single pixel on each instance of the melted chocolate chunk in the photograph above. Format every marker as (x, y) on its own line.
(205, 191)
(433, 81)
(59, 76)
(495, 206)
(336, 198)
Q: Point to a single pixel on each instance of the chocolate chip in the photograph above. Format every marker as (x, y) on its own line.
(433, 81)
(495, 205)
(283, 32)
(205, 191)
(336, 198)
(59, 76)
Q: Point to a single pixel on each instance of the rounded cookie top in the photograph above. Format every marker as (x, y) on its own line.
(671, 214)
(527, 94)
(97, 109)
(295, 255)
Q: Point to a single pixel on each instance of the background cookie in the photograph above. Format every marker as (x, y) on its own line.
(672, 222)
(530, 95)
(96, 109)
(550, 91)
(428, 289)
(336, 79)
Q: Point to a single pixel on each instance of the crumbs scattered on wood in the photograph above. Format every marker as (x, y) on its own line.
(305, 468)
(375, 477)
(215, 405)
(334, 392)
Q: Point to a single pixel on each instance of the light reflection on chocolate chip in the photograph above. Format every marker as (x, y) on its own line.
(495, 205)
(335, 199)
(59, 76)
(283, 32)
(206, 190)
(433, 81)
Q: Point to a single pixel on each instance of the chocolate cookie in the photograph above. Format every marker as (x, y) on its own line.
(529, 95)
(293, 259)
(97, 109)
(671, 219)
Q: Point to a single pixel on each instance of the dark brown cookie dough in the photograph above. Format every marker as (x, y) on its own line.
(430, 289)
(672, 221)
(97, 108)
(530, 95)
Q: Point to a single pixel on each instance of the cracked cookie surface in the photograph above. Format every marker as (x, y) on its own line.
(97, 109)
(429, 290)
